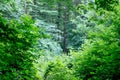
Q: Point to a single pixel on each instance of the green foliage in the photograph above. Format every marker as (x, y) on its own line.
(82, 24)
(99, 57)
(59, 70)
(106, 4)
(4, 1)
(49, 46)
(95, 25)
(76, 36)
(11, 9)
(16, 40)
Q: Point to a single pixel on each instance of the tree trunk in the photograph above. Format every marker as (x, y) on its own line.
(66, 19)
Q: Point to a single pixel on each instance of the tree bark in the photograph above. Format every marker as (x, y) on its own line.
(66, 18)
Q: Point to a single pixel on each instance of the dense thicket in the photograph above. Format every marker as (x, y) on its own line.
(16, 41)
(99, 57)
(59, 40)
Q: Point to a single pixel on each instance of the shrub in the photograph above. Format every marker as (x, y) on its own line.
(17, 37)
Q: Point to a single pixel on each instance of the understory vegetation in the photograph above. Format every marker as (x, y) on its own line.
(59, 40)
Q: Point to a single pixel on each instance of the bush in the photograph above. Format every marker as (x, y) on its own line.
(99, 57)
(59, 70)
(17, 37)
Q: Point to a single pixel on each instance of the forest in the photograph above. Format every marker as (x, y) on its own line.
(59, 39)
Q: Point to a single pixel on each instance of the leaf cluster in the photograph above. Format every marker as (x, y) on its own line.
(17, 37)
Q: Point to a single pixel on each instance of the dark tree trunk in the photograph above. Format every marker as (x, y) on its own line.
(64, 36)
(66, 19)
